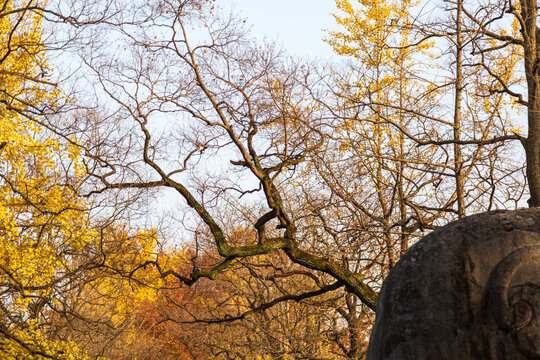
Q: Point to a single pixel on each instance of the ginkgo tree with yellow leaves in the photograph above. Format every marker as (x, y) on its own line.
(50, 248)
(381, 83)
(412, 78)
(42, 220)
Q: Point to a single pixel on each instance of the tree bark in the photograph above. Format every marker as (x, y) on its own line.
(458, 87)
(531, 50)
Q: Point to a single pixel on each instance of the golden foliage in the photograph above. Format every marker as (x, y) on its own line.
(42, 219)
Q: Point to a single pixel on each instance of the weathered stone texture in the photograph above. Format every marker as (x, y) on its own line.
(470, 290)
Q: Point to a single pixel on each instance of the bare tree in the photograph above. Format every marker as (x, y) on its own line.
(235, 112)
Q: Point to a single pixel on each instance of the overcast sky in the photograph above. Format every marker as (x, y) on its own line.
(297, 24)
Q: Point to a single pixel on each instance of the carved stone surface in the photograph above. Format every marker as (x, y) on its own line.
(470, 290)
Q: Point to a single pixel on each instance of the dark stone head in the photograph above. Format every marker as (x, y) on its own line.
(470, 290)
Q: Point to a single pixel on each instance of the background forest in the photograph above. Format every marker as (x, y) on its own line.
(172, 189)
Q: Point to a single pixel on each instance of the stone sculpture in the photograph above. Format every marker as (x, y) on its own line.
(470, 290)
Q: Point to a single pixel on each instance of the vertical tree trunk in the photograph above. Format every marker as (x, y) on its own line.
(354, 319)
(532, 144)
(458, 158)
(404, 237)
(531, 53)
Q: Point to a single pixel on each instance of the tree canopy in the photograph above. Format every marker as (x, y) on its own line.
(171, 188)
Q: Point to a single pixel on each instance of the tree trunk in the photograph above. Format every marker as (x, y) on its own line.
(458, 87)
(531, 51)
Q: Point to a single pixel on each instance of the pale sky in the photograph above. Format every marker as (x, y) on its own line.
(297, 24)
